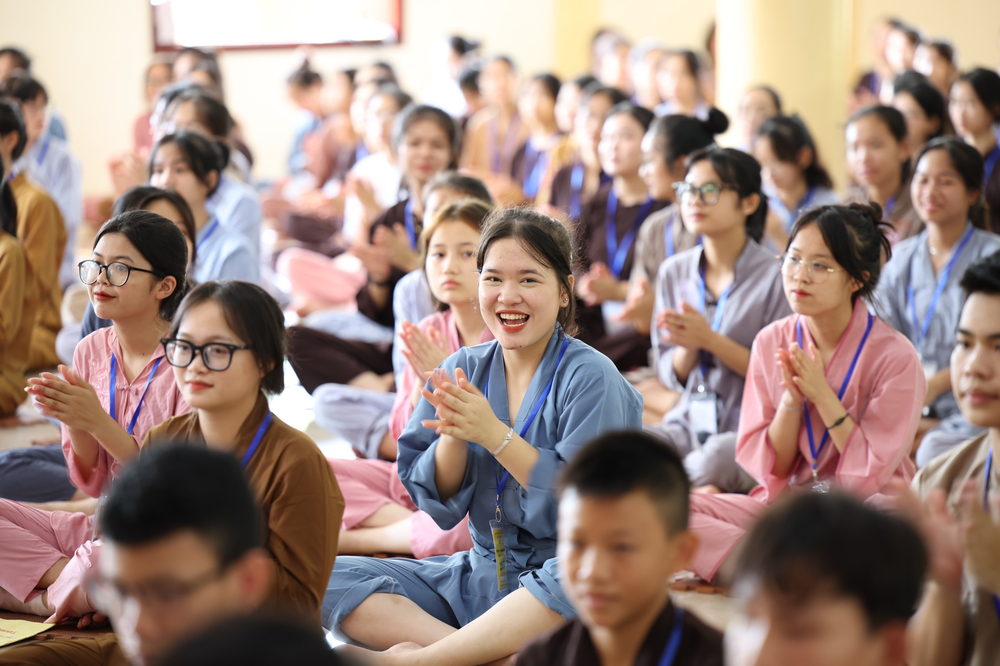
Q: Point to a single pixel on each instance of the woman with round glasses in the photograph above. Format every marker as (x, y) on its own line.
(118, 389)
(711, 301)
(227, 349)
(833, 394)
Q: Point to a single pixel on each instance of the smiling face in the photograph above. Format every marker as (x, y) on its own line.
(621, 145)
(209, 389)
(424, 151)
(142, 292)
(170, 170)
(451, 263)
(975, 361)
(938, 190)
(519, 297)
(968, 113)
(812, 289)
(824, 630)
(874, 156)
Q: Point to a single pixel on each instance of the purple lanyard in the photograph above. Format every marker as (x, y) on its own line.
(502, 481)
(113, 389)
(990, 163)
(890, 204)
(502, 149)
(360, 152)
(208, 234)
(920, 330)
(986, 508)
(44, 150)
(617, 253)
(256, 439)
(840, 396)
(540, 163)
(411, 229)
(576, 191)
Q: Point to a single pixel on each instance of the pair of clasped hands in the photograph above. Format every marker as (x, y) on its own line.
(463, 412)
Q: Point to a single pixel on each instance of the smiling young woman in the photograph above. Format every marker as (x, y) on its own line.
(489, 441)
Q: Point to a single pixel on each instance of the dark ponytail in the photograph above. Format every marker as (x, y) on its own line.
(788, 136)
(968, 162)
(857, 238)
(10, 121)
(201, 154)
(675, 136)
(161, 243)
(8, 207)
(741, 172)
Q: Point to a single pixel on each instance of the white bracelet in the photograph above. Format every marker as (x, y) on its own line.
(506, 440)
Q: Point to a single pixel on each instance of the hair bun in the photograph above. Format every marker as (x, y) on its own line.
(871, 211)
(222, 155)
(716, 123)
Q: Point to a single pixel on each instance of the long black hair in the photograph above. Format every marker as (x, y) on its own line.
(788, 136)
(10, 121)
(968, 162)
(202, 155)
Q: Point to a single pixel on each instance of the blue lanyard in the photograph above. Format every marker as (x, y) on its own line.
(986, 508)
(990, 163)
(360, 152)
(502, 481)
(674, 642)
(921, 330)
(668, 234)
(411, 229)
(44, 150)
(840, 396)
(617, 253)
(208, 234)
(719, 309)
(256, 439)
(541, 164)
(890, 204)
(112, 389)
(576, 191)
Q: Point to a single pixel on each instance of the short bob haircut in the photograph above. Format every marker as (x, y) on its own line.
(472, 212)
(160, 243)
(254, 316)
(545, 239)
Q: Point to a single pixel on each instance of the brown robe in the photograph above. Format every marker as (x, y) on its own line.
(17, 321)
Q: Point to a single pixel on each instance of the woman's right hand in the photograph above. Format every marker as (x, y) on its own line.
(424, 350)
(793, 396)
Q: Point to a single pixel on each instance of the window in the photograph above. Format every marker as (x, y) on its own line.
(256, 24)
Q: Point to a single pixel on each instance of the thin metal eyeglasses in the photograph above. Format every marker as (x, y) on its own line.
(817, 271)
(217, 356)
(709, 193)
(117, 272)
(110, 596)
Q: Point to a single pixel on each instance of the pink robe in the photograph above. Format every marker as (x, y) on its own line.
(368, 485)
(885, 398)
(32, 540)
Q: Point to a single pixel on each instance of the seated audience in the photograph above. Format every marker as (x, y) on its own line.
(833, 395)
(919, 293)
(512, 411)
(115, 393)
(228, 391)
(305, 90)
(50, 163)
(493, 135)
(878, 159)
(623, 534)
(42, 234)
(959, 617)
(823, 580)
(166, 574)
(711, 302)
(530, 166)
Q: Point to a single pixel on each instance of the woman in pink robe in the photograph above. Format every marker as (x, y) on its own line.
(379, 515)
(833, 367)
(45, 555)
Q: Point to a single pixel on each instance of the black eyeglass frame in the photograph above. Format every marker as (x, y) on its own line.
(201, 349)
(106, 269)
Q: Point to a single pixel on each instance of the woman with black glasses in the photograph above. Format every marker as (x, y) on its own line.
(117, 390)
(711, 301)
(227, 349)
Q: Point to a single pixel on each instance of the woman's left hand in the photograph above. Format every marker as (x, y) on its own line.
(71, 400)
(810, 375)
(463, 411)
(397, 244)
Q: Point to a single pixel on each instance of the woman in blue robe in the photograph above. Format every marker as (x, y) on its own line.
(489, 440)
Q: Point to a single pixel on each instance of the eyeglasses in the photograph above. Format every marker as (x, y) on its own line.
(158, 598)
(117, 272)
(709, 193)
(817, 271)
(217, 356)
